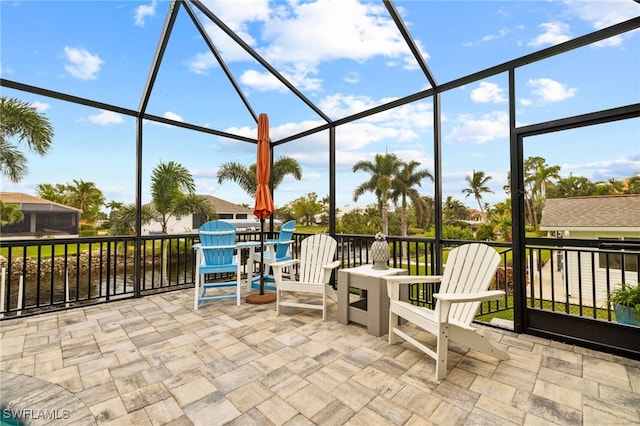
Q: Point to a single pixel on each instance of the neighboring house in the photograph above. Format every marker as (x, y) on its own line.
(41, 217)
(242, 217)
(611, 217)
(476, 216)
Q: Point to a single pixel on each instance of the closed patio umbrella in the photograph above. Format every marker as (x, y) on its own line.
(264, 203)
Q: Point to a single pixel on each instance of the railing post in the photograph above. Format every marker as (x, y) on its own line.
(66, 287)
(2, 291)
(20, 295)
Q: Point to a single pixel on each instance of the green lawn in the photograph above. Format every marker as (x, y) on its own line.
(560, 307)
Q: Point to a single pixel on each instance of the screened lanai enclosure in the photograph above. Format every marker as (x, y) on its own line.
(458, 87)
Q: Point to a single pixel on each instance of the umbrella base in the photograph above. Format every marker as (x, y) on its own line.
(261, 299)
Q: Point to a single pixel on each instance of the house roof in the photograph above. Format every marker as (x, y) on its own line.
(608, 211)
(30, 203)
(223, 206)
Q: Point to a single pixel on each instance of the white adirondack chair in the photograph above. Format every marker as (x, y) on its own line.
(315, 265)
(467, 276)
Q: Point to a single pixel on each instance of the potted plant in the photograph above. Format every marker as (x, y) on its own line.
(625, 301)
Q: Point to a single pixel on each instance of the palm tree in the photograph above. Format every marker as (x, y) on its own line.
(10, 214)
(113, 207)
(86, 197)
(477, 186)
(633, 184)
(122, 220)
(23, 121)
(245, 176)
(173, 193)
(501, 219)
(537, 175)
(429, 213)
(382, 171)
(403, 188)
(571, 186)
(453, 209)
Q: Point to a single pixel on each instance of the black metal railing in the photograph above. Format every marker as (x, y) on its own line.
(569, 276)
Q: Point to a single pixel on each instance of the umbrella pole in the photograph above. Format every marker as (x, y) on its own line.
(261, 257)
(262, 297)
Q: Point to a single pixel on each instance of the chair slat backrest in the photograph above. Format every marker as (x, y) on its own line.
(469, 269)
(220, 234)
(285, 234)
(316, 251)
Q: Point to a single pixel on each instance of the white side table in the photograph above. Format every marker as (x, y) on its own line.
(372, 309)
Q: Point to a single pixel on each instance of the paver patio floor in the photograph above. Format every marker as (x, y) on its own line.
(155, 361)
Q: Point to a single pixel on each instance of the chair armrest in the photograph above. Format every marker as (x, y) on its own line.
(284, 263)
(247, 244)
(332, 265)
(278, 266)
(327, 269)
(413, 279)
(470, 297)
(216, 247)
(445, 300)
(395, 281)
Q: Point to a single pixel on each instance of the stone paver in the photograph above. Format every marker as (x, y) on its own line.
(155, 361)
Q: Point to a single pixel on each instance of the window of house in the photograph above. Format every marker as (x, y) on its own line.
(628, 262)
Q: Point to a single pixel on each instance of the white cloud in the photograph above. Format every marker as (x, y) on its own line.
(40, 106)
(144, 11)
(5, 70)
(501, 33)
(601, 14)
(488, 92)
(603, 170)
(201, 63)
(169, 115)
(554, 33)
(550, 90)
(261, 81)
(358, 32)
(352, 78)
(237, 17)
(173, 116)
(417, 115)
(81, 63)
(489, 37)
(480, 130)
(526, 102)
(105, 118)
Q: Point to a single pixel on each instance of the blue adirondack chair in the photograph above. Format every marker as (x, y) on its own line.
(216, 254)
(277, 250)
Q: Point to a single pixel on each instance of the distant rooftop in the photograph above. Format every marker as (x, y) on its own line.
(607, 211)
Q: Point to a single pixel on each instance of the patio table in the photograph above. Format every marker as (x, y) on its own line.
(371, 309)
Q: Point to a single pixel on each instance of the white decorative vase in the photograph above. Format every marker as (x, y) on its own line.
(380, 254)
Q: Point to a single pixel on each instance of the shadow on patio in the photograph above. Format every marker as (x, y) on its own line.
(156, 361)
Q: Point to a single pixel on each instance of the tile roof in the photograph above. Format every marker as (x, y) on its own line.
(607, 211)
(223, 206)
(28, 202)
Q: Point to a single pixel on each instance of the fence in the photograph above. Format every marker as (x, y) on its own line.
(47, 274)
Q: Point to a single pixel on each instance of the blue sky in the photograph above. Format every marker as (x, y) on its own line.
(345, 56)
